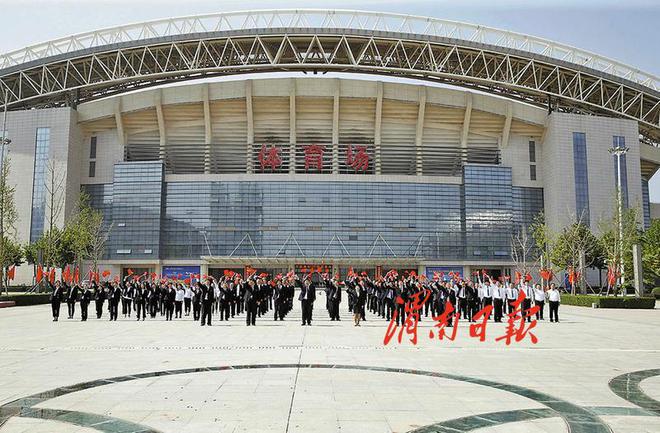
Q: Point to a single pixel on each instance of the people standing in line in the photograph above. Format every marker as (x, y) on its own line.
(251, 300)
(554, 299)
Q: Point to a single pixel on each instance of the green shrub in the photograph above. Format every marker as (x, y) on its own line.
(656, 292)
(609, 301)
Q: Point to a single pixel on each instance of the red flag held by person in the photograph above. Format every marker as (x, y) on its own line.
(528, 277)
(66, 275)
(40, 273)
(106, 274)
(76, 276)
(129, 272)
(11, 273)
(518, 277)
(51, 276)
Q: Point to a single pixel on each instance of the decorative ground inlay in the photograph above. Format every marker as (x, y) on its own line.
(577, 418)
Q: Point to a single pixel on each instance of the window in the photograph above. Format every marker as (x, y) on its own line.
(92, 148)
(41, 152)
(581, 177)
(92, 168)
(532, 172)
(532, 151)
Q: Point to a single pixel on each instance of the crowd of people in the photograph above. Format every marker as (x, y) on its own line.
(257, 296)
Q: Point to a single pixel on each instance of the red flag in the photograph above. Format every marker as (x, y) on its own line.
(129, 272)
(51, 276)
(528, 277)
(106, 274)
(546, 274)
(66, 275)
(76, 276)
(187, 281)
(11, 273)
(40, 273)
(518, 277)
(154, 276)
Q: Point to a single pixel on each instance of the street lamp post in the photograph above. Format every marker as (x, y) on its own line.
(618, 151)
(5, 141)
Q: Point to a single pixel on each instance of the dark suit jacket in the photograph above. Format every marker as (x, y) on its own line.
(310, 291)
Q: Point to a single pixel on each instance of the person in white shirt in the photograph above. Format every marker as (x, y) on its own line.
(529, 296)
(178, 301)
(187, 300)
(511, 296)
(539, 300)
(498, 300)
(554, 299)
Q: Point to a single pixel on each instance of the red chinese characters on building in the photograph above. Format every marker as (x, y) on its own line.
(358, 160)
(314, 156)
(269, 157)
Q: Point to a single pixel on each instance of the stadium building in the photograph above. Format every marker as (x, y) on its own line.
(447, 139)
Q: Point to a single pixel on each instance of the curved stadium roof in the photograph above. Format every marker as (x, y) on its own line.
(98, 63)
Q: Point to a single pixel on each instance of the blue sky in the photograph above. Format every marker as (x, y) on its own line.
(626, 31)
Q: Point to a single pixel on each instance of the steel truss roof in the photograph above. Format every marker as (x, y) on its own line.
(107, 62)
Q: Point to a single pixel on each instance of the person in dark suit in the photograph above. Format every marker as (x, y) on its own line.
(85, 300)
(56, 298)
(140, 300)
(333, 294)
(251, 300)
(307, 298)
(99, 299)
(71, 299)
(170, 296)
(207, 302)
(114, 297)
(360, 300)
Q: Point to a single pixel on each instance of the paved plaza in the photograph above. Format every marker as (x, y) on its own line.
(596, 371)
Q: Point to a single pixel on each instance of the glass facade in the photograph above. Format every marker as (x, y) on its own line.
(41, 152)
(581, 177)
(617, 142)
(137, 192)
(186, 220)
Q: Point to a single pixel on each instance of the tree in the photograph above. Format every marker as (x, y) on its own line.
(576, 248)
(523, 250)
(618, 237)
(13, 256)
(8, 216)
(78, 230)
(651, 252)
(99, 238)
(51, 241)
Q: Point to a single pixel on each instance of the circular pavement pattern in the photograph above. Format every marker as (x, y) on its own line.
(577, 418)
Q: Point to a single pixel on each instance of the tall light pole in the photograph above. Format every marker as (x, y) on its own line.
(5, 141)
(618, 151)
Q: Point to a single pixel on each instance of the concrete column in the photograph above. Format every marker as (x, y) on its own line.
(335, 129)
(420, 131)
(250, 124)
(378, 125)
(292, 127)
